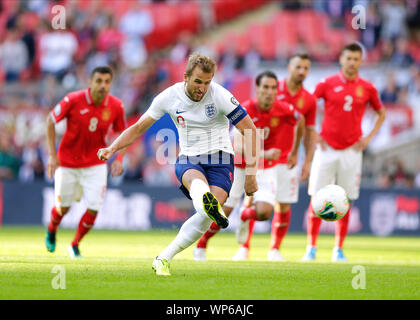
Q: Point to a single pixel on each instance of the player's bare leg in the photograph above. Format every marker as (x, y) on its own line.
(260, 212)
(279, 227)
(85, 225)
(200, 249)
(313, 225)
(57, 214)
(340, 234)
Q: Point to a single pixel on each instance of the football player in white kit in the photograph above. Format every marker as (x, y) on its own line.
(201, 110)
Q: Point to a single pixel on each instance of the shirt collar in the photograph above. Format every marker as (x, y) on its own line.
(89, 99)
(345, 80)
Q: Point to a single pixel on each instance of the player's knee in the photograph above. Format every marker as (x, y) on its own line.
(92, 212)
(264, 214)
(62, 210)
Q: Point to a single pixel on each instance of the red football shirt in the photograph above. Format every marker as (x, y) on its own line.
(87, 127)
(275, 123)
(305, 104)
(345, 104)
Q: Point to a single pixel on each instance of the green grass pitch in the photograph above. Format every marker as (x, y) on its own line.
(117, 265)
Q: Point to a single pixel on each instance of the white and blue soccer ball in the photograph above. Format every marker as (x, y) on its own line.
(330, 203)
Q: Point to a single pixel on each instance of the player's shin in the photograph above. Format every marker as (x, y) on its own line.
(341, 230)
(250, 231)
(314, 223)
(279, 227)
(85, 225)
(190, 231)
(202, 243)
(197, 189)
(55, 220)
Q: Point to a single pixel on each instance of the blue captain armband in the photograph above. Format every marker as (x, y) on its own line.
(237, 115)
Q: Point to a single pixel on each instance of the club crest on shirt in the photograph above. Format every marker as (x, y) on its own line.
(300, 103)
(211, 110)
(106, 114)
(57, 109)
(359, 91)
(274, 122)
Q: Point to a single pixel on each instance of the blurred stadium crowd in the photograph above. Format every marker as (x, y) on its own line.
(147, 43)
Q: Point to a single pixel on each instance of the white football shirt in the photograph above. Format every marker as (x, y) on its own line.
(203, 126)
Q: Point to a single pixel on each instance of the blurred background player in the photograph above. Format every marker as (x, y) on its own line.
(269, 115)
(338, 155)
(90, 113)
(201, 110)
(290, 90)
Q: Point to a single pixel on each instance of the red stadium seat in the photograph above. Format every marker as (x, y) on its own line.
(188, 16)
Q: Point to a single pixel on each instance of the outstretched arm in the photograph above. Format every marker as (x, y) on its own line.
(127, 137)
(251, 151)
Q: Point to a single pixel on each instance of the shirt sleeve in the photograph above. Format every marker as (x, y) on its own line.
(61, 109)
(374, 99)
(320, 89)
(119, 122)
(157, 109)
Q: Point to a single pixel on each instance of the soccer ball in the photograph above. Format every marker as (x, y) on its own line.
(330, 203)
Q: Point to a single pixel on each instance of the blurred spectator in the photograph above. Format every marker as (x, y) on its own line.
(182, 48)
(417, 176)
(394, 15)
(401, 56)
(158, 171)
(9, 162)
(13, 55)
(57, 48)
(390, 93)
(135, 24)
(371, 34)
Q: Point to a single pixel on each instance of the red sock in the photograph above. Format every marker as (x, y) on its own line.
(248, 213)
(314, 223)
(55, 220)
(251, 229)
(85, 224)
(341, 230)
(202, 243)
(279, 227)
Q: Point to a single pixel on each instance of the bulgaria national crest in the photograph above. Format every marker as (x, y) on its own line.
(211, 110)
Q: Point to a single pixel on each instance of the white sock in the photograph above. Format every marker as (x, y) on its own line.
(190, 232)
(197, 189)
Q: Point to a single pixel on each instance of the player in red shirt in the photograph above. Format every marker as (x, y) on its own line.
(90, 113)
(290, 90)
(338, 156)
(270, 116)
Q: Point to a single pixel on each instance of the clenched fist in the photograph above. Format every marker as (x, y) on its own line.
(105, 154)
(251, 185)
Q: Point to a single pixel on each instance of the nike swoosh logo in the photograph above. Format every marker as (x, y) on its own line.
(182, 111)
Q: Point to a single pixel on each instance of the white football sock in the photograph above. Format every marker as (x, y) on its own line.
(197, 189)
(190, 232)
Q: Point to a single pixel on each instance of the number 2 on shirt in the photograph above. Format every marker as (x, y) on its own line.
(347, 105)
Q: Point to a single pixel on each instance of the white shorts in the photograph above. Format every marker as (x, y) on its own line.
(342, 167)
(70, 184)
(287, 184)
(267, 186)
(237, 190)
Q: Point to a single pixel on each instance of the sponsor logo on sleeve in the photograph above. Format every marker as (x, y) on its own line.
(234, 101)
(57, 109)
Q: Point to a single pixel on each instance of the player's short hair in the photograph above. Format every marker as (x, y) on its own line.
(101, 69)
(303, 56)
(352, 47)
(205, 63)
(268, 74)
